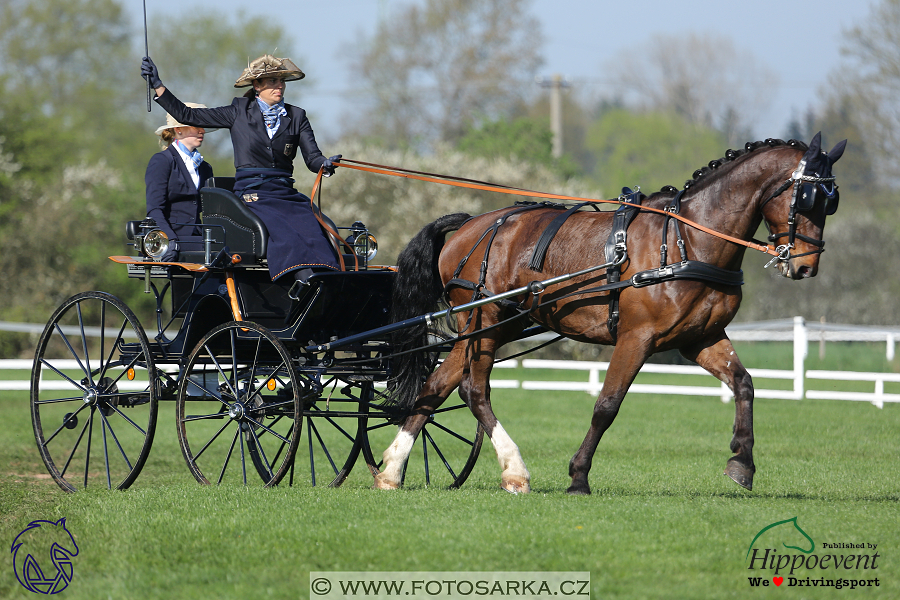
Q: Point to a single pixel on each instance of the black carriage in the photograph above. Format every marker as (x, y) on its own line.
(255, 399)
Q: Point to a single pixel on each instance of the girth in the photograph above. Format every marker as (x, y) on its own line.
(616, 252)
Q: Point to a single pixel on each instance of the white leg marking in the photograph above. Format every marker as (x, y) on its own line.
(508, 454)
(395, 457)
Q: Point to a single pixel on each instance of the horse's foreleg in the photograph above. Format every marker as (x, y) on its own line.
(626, 361)
(719, 358)
(437, 387)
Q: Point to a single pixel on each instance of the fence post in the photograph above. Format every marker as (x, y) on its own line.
(889, 353)
(801, 348)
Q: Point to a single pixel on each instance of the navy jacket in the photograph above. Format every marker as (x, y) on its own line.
(172, 198)
(252, 146)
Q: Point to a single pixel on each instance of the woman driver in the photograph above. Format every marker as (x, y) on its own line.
(266, 134)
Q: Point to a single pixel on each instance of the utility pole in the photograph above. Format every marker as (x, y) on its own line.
(556, 84)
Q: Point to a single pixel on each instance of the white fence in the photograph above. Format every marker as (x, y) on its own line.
(796, 330)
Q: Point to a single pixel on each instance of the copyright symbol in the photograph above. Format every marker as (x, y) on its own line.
(320, 586)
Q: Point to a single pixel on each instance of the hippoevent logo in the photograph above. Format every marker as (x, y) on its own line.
(42, 556)
(843, 564)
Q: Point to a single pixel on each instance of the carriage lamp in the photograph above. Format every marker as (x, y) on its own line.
(156, 244)
(364, 243)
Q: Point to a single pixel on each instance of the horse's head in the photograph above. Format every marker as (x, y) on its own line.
(795, 213)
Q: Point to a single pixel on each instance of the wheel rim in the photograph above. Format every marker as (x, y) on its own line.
(92, 405)
(238, 409)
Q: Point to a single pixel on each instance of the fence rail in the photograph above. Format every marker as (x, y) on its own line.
(796, 330)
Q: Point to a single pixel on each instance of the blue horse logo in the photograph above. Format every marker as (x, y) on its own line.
(34, 542)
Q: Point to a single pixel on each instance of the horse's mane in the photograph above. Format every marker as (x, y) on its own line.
(731, 156)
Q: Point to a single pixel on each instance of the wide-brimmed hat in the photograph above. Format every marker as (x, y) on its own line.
(171, 123)
(269, 66)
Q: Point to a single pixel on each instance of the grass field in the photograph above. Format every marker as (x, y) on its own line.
(663, 522)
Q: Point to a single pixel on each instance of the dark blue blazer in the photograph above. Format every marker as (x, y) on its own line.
(172, 198)
(252, 146)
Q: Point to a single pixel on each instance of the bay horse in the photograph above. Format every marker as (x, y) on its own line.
(781, 183)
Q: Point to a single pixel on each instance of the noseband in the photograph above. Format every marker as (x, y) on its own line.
(802, 199)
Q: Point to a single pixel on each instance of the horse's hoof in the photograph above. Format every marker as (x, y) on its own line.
(578, 490)
(515, 485)
(383, 484)
(741, 474)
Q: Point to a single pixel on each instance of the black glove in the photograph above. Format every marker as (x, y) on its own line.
(329, 165)
(150, 73)
(171, 254)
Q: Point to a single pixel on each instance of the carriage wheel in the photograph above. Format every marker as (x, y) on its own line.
(238, 408)
(446, 449)
(92, 403)
(334, 425)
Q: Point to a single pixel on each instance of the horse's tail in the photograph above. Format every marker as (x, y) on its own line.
(417, 289)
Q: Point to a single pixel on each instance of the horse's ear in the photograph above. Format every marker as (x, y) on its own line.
(815, 146)
(837, 151)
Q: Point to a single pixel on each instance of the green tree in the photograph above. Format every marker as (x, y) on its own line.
(524, 138)
(433, 68)
(649, 149)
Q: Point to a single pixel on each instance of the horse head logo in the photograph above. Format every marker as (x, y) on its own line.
(787, 531)
(37, 541)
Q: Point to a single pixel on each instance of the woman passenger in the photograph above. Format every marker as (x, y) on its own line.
(173, 181)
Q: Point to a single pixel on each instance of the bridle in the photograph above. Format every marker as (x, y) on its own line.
(803, 198)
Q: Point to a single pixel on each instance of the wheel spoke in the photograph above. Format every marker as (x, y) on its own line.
(64, 376)
(453, 433)
(65, 339)
(74, 448)
(205, 446)
(87, 457)
(439, 453)
(105, 450)
(262, 452)
(124, 416)
(237, 434)
(115, 439)
(315, 430)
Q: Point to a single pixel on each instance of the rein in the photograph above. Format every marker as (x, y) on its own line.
(493, 187)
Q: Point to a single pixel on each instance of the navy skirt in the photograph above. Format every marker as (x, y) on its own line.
(296, 240)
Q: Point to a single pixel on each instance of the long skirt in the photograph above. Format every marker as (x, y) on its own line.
(296, 240)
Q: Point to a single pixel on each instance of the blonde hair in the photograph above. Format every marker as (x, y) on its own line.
(166, 137)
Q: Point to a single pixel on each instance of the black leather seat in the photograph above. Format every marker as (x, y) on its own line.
(238, 227)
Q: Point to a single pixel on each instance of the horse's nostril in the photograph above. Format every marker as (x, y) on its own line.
(804, 272)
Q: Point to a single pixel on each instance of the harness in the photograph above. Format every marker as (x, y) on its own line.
(616, 254)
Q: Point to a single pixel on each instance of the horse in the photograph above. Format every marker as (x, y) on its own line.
(784, 184)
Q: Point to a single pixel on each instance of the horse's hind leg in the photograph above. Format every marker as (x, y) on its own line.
(719, 358)
(438, 386)
(475, 390)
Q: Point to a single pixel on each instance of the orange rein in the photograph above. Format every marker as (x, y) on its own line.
(493, 187)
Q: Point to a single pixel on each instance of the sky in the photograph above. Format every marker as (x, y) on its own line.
(799, 40)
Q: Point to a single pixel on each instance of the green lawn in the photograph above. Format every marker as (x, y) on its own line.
(663, 522)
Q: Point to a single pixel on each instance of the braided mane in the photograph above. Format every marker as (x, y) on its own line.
(730, 156)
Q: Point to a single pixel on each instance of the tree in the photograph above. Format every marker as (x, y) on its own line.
(203, 68)
(702, 78)
(524, 138)
(649, 149)
(434, 69)
(868, 83)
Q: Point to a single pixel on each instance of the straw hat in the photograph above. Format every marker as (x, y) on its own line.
(269, 66)
(171, 123)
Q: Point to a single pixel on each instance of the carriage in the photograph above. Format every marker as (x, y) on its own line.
(233, 357)
(258, 370)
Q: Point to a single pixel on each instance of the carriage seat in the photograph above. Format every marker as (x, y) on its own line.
(244, 231)
(239, 228)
